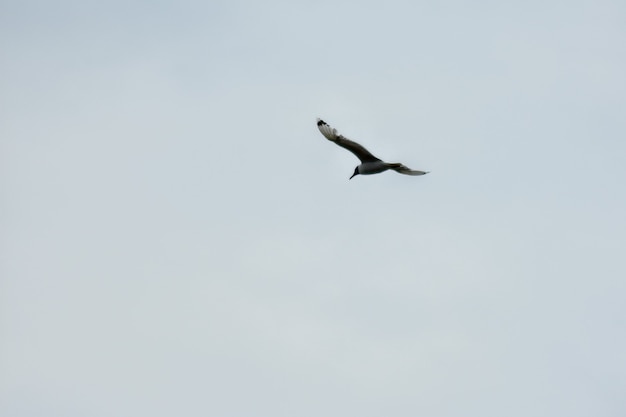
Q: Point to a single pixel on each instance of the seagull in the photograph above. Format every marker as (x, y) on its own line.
(369, 163)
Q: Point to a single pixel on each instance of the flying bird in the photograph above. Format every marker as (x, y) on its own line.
(369, 163)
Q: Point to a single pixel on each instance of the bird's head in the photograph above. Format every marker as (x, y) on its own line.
(356, 172)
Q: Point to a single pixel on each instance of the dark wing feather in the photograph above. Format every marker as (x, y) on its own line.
(402, 169)
(332, 135)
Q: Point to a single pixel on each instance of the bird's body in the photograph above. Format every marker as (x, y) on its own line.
(375, 167)
(369, 163)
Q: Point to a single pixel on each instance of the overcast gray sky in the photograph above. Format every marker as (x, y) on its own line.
(178, 239)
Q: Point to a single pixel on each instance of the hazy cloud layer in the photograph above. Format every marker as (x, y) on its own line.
(179, 239)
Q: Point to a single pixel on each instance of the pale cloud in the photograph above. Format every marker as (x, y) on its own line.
(178, 238)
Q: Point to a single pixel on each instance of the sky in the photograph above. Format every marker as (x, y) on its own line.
(179, 239)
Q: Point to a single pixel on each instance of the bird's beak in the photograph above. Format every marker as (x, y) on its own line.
(352, 176)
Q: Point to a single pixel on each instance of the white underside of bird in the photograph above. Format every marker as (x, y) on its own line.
(369, 163)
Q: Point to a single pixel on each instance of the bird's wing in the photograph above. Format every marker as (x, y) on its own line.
(332, 135)
(401, 169)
